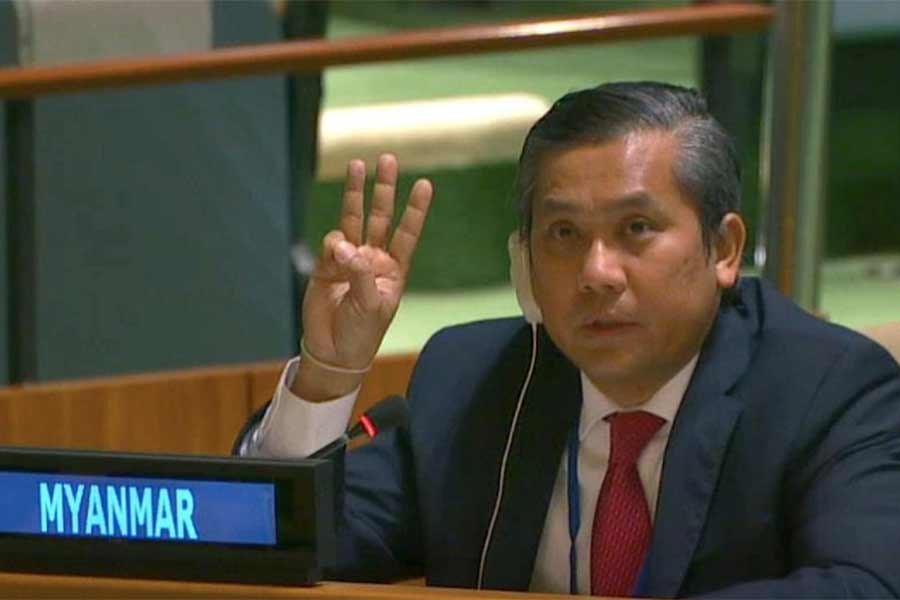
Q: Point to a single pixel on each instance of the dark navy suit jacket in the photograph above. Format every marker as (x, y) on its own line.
(781, 477)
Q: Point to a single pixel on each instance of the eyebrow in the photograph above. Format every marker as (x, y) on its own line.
(639, 200)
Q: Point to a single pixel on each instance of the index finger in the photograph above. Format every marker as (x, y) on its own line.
(351, 222)
(403, 244)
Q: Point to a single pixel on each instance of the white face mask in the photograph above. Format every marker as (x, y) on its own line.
(520, 275)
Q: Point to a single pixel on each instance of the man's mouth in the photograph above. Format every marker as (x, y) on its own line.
(609, 326)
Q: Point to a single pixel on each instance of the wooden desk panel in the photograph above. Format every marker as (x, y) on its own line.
(58, 586)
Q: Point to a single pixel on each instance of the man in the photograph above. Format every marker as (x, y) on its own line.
(658, 428)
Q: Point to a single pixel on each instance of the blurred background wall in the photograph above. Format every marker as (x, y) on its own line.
(171, 226)
(148, 228)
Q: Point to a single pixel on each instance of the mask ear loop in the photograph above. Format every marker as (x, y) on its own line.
(512, 432)
(520, 275)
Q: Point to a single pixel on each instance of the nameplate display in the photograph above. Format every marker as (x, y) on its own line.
(166, 516)
(140, 508)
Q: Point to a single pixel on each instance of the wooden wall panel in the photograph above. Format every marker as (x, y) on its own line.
(263, 379)
(390, 375)
(196, 412)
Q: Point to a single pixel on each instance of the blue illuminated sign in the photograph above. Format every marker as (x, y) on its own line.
(138, 508)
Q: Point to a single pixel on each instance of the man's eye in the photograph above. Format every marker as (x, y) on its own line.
(639, 227)
(562, 231)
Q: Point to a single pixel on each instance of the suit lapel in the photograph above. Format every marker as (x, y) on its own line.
(550, 408)
(697, 446)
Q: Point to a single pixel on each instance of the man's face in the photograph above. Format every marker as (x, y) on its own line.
(627, 290)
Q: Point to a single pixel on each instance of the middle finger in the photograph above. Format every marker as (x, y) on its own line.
(382, 211)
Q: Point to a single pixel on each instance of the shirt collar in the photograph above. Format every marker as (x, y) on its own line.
(664, 403)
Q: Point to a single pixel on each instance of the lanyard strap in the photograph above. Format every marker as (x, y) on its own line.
(574, 496)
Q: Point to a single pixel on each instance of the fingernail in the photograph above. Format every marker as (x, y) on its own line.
(344, 252)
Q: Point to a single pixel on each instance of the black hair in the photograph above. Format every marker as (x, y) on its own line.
(706, 169)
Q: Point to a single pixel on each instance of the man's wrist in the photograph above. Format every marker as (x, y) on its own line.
(316, 384)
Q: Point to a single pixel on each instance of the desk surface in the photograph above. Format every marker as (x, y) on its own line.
(64, 586)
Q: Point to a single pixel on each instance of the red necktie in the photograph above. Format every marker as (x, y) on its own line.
(621, 533)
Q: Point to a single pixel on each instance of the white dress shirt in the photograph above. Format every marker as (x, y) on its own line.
(551, 566)
(293, 427)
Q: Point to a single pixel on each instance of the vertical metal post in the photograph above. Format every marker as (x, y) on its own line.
(793, 164)
(20, 240)
(303, 20)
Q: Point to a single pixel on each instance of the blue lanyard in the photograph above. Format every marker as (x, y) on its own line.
(574, 495)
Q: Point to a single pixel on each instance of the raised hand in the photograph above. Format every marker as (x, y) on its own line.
(355, 289)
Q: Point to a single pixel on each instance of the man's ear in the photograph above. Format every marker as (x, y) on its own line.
(728, 249)
(520, 274)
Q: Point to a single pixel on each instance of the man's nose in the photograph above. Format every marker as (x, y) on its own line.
(602, 270)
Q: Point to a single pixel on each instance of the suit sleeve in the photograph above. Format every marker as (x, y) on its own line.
(381, 532)
(378, 532)
(842, 490)
(377, 519)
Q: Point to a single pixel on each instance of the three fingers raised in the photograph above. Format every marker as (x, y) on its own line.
(405, 238)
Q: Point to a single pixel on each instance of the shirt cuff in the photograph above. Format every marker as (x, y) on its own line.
(293, 427)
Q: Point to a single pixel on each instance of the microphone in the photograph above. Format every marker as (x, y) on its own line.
(387, 413)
